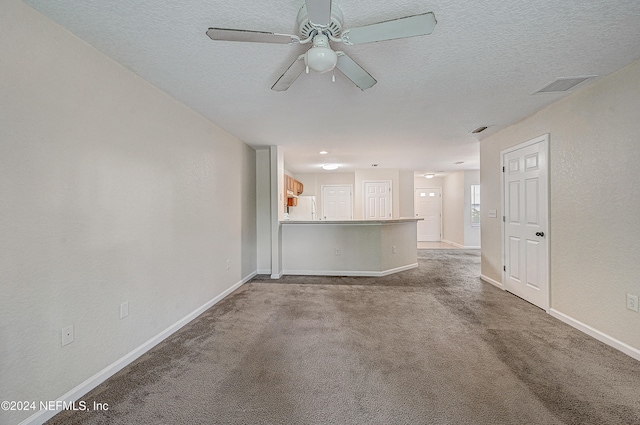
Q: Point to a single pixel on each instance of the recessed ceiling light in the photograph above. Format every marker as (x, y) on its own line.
(429, 176)
(330, 166)
(323, 152)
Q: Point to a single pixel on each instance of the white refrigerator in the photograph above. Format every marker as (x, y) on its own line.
(305, 210)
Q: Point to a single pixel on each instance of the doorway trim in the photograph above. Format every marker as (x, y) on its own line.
(545, 147)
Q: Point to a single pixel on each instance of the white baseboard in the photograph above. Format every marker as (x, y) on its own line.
(399, 269)
(457, 245)
(491, 281)
(600, 336)
(277, 275)
(264, 271)
(363, 273)
(44, 415)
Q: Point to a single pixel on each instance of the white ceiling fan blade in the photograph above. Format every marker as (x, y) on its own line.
(354, 72)
(226, 34)
(409, 26)
(319, 12)
(290, 75)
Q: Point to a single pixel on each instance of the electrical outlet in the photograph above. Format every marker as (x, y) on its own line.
(393, 249)
(228, 263)
(67, 335)
(632, 302)
(124, 310)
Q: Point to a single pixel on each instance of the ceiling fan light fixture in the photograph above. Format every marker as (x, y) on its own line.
(320, 57)
(429, 176)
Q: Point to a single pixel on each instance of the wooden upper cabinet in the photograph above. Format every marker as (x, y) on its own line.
(292, 185)
(292, 188)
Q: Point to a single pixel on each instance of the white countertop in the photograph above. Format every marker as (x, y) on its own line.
(358, 222)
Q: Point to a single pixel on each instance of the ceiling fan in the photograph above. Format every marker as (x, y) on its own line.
(320, 23)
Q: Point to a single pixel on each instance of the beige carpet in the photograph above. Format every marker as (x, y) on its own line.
(433, 345)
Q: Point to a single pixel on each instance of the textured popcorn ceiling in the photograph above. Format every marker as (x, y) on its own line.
(478, 68)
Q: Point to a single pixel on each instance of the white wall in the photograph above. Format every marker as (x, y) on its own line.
(282, 208)
(110, 192)
(453, 208)
(456, 209)
(594, 233)
(263, 211)
(276, 170)
(424, 183)
(313, 182)
(405, 194)
(355, 249)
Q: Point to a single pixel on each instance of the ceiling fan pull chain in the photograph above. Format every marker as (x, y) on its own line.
(333, 76)
(307, 69)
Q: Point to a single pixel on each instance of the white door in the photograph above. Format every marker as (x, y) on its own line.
(377, 200)
(337, 203)
(525, 221)
(428, 205)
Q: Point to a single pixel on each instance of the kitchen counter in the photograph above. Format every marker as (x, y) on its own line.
(365, 222)
(349, 247)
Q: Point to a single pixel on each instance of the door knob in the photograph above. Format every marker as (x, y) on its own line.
(541, 234)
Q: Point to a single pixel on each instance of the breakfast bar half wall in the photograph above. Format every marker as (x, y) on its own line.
(349, 247)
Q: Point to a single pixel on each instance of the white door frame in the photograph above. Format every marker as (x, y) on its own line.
(546, 239)
(364, 196)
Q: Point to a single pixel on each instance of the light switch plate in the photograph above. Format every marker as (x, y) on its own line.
(493, 213)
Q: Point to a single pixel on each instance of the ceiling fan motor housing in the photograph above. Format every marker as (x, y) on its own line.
(334, 28)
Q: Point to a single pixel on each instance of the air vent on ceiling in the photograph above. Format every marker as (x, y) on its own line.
(563, 84)
(479, 130)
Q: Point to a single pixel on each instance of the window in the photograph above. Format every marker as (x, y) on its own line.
(475, 205)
